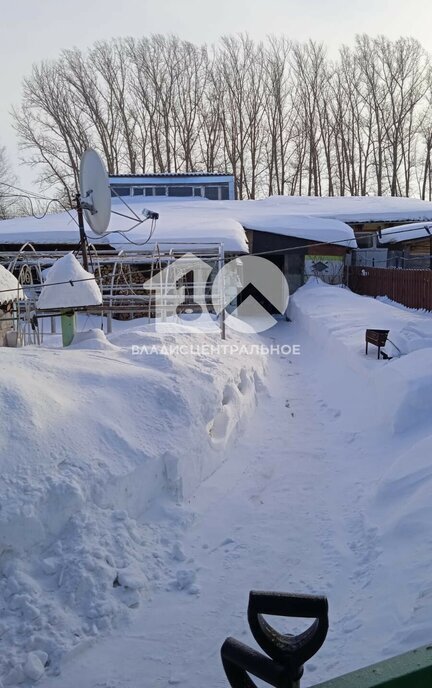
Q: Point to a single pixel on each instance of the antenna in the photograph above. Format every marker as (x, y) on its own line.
(94, 199)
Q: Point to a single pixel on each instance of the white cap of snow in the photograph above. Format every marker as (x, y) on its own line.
(413, 230)
(10, 288)
(72, 286)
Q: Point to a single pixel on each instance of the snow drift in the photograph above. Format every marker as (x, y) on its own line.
(401, 504)
(89, 437)
(397, 392)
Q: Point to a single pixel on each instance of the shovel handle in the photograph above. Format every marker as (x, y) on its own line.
(239, 661)
(291, 651)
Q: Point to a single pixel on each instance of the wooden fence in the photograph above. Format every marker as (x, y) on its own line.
(412, 288)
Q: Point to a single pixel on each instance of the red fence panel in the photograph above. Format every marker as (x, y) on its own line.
(412, 288)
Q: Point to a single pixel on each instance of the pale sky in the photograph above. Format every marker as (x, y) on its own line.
(34, 30)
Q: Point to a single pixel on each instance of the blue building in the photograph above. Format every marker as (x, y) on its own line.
(211, 185)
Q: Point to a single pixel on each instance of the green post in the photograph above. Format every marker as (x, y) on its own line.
(68, 325)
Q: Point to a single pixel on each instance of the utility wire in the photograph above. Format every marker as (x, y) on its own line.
(72, 282)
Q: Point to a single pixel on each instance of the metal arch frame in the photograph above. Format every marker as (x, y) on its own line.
(157, 256)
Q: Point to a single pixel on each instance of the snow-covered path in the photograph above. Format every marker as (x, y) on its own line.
(285, 513)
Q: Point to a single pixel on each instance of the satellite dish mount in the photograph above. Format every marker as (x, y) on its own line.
(83, 238)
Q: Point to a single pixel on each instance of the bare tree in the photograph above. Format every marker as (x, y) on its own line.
(8, 199)
(279, 115)
(52, 127)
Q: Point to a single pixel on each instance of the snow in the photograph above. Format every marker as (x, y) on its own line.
(89, 438)
(408, 337)
(356, 209)
(320, 495)
(190, 222)
(396, 391)
(186, 222)
(408, 232)
(144, 496)
(68, 285)
(193, 221)
(276, 219)
(10, 289)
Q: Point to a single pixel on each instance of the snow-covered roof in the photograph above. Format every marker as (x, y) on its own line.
(185, 221)
(189, 221)
(356, 209)
(68, 285)
(10, 288)
(278, 221)
(414, 230)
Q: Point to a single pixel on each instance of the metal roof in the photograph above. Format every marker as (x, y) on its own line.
(170, 174)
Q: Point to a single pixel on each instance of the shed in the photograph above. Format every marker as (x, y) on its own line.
(410, 243)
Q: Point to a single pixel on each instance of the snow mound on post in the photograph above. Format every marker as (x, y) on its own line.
(10, 288)
(68, 285)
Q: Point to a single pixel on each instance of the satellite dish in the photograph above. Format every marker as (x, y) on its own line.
(95, 192)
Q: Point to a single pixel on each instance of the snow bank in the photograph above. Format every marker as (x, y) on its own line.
(398, 392)
(404, 491)
(385, 405)
(402, 506)
(10, 288)
(406, 384)
(89, 438)
(68, 285)
(396, 304)
(410, 337)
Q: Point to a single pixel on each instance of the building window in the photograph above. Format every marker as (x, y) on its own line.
(224, 192)
(212, 193)
(197, 191)
(177, 190)
(149, 190)
(121, 191)
(138, 191)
